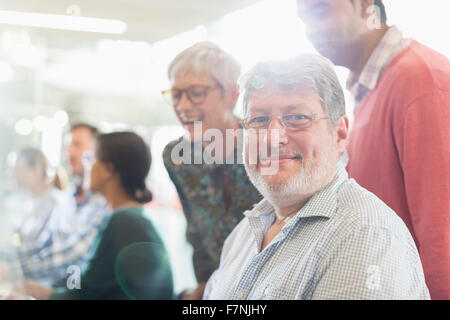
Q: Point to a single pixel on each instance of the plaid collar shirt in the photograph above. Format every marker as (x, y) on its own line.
(344, 243)
(53, 237)
(389, 46)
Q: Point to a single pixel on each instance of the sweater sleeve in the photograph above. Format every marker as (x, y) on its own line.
(423, 143)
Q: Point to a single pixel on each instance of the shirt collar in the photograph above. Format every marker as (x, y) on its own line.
(387, 48)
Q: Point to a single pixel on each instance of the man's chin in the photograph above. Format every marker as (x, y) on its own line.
(276, 181)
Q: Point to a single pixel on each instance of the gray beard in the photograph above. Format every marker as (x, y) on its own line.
(308, 180)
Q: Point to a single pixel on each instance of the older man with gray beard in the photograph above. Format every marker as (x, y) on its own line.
(316, 234)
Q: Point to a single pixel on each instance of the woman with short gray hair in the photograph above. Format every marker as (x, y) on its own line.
(203, 94)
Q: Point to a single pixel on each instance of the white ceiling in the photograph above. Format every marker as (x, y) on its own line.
(30, 94)
(147, 20)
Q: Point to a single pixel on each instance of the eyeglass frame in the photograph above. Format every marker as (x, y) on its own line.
(244, 122)
(204, 87)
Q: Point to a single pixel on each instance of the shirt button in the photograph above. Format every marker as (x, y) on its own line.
(267, 291)
(240, 295)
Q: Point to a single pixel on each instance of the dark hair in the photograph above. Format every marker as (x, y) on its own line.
(131, 158)
(380, 5)
(82, 125)
(34, 157)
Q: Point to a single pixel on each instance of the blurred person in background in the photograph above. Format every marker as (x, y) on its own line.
(129, 260)
(44, 227)
(79, 151)
(91, 207)
(204, 91)
(399, 145)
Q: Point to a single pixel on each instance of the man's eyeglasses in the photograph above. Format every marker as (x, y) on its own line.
(291, 121)
(196, 94)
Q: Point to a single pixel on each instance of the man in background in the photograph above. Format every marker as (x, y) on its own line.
(81, 147)
(91, 209)
(399, 145)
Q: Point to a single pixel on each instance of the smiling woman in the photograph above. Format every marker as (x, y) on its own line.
(213, 194)
(208, 75)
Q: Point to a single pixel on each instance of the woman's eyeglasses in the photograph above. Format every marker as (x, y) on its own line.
(196, 94)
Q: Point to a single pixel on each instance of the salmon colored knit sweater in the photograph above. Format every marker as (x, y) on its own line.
(399, 149)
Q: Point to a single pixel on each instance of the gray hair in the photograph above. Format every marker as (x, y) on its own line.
(306, 72)
(206, 58)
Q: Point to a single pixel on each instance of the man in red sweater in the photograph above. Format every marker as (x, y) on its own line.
(400, 141)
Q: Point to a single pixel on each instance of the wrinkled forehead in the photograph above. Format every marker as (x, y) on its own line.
(189, 68)
(186, 78)
(82, 138)
(284, 98)
(180, 71)
(82, 133)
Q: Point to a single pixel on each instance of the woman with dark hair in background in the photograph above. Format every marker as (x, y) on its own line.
(129, 259)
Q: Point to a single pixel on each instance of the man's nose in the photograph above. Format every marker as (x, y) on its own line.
(276, 133)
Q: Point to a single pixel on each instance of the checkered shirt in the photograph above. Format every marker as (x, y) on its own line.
(344, 243)
(63, 239)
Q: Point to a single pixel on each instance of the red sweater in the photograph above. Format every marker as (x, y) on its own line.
(400, 150)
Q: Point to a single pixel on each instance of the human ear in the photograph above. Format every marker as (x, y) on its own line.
(342, 131)
(110, 171)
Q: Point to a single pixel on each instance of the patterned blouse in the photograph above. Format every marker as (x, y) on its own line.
(214, 197)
